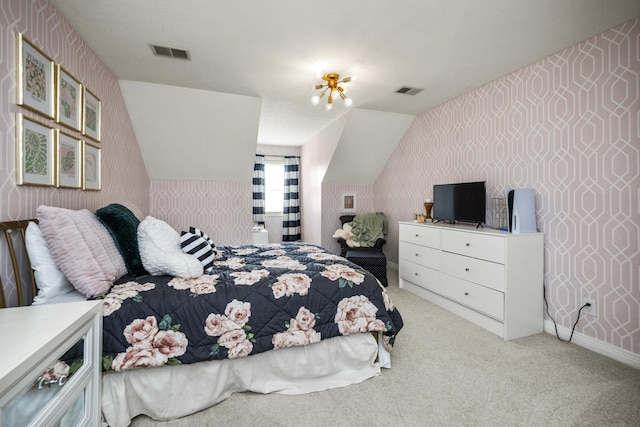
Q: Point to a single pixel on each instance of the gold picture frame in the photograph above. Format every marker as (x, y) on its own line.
(69, 99)
(91, 115)
(69, 161)
(36, 78)
(91, 168)
(35, 152)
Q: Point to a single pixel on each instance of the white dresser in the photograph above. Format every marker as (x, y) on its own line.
(489, 277)
(33, 340)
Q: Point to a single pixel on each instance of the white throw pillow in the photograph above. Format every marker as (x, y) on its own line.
(160, 251)
(51, 282)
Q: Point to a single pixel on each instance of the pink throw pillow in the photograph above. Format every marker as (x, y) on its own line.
(82, 248)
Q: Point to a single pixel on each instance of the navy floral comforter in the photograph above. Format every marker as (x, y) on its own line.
(257, 298)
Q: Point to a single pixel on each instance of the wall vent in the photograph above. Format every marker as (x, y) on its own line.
(170, 52)
(406, 90)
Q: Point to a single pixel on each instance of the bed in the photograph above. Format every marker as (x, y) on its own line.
(187, 323)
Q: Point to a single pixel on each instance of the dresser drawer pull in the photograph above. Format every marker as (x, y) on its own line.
(466, 269)
(42, 382)
(466, 294)
(468, 244)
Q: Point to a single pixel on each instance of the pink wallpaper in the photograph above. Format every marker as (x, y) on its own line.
(568, 127)
(124, 177)
(222, 209)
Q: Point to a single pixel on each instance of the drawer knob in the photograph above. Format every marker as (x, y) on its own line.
(468, 244)
(466, 269)
(466, 293)
(417, 235)
(42, 382)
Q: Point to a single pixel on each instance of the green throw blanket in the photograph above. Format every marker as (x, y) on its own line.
(367, 228)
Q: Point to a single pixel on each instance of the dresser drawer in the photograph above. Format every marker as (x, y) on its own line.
(420, 235)
(419, 275)
(482, 246)
(477, 297)
(422, 255)
(475, 270)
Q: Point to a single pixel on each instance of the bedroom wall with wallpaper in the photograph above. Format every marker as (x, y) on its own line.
(568, 127)
(124, 177)
(222, 209)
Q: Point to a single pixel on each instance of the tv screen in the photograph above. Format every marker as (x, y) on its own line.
(463, 202)
(443, 204)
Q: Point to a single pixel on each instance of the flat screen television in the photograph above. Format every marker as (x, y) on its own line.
(462, 202)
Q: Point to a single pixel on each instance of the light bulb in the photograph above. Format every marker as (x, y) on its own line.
(348, 102)
(315, 99)
(329, 107)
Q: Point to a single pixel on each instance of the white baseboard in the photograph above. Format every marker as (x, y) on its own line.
(590, 343)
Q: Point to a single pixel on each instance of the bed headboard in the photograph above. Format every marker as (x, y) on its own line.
(14, 232)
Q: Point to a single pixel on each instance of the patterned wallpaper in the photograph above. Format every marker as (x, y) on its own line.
(222, 209)
(568, 127)
(124, 177)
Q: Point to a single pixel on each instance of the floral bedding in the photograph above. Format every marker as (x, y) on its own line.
(256, 298)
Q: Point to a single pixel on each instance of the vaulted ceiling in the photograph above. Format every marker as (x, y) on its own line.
(261, 58)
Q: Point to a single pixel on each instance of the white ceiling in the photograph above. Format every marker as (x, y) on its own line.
(271, 49)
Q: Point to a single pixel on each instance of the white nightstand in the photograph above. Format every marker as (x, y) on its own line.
(34, 339)
(260, 237)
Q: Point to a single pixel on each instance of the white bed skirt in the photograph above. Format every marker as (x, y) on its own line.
(170, 392)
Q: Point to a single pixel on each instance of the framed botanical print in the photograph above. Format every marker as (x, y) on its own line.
(92, 168)
(36, 83)
(69, 108)
(91, 115)
(35, 152)
(69, 161)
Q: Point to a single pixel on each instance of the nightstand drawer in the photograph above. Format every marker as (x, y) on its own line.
(419, 275)
(474, 270)
(44, 385)
(475, 245)
(420, 235)
(428, 257)
(477, 297)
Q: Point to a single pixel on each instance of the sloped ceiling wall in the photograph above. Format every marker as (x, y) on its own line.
(191, 134)
(366, 143)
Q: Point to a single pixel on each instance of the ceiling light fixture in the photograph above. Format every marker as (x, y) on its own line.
(332, 86)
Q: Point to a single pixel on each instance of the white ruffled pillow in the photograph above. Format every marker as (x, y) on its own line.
(160, 251)
(51, 282)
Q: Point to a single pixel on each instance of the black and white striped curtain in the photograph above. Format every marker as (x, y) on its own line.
(258, 190)
(291, 209)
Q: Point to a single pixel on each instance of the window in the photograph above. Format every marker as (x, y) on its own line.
(273, 185)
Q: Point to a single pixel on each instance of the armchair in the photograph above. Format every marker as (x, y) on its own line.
(370, 258)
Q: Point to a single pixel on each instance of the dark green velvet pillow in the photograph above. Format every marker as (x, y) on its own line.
(123, 226)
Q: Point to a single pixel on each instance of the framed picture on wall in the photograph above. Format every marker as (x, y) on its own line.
(36, 83)
(69, 108)
(91, 115)
(348, 203)
(35, 152)
(69, 161)
(92, 168)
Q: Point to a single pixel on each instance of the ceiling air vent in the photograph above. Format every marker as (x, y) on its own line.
(406, 90)
(170, 52)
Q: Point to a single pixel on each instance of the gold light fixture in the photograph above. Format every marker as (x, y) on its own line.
(332, 86)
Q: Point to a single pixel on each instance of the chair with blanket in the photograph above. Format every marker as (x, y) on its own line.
(361, 239)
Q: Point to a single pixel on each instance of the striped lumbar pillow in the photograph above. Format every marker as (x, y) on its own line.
(195, 242)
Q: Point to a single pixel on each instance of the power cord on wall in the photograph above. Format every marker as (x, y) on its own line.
(555, 325)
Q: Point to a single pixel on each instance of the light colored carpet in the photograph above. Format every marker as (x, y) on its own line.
(449, 372)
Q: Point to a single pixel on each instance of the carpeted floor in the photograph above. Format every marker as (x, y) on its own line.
(449, 372)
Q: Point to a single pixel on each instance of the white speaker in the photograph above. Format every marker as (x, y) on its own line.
(521, 211)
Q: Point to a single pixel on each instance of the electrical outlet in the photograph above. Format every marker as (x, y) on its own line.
(592, 309)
